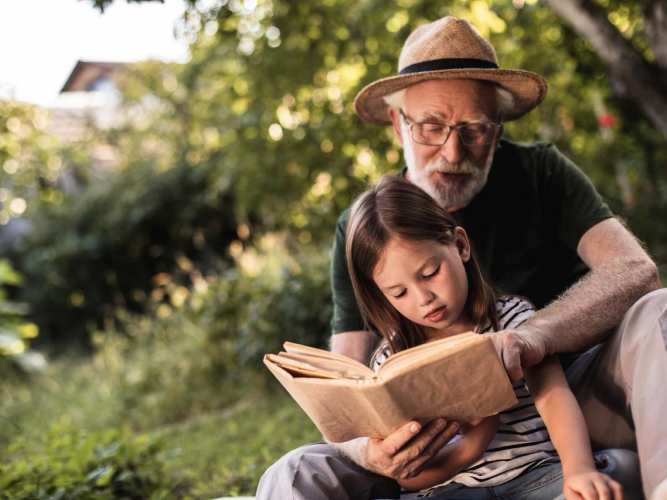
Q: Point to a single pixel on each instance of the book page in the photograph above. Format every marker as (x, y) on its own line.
(446, 346)
(346, 370)
(318, 355)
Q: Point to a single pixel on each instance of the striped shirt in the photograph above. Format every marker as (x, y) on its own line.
(522, 441)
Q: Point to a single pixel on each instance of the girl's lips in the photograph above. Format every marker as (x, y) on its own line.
(436, 315)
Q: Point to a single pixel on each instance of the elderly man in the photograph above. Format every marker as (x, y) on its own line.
(541, 230)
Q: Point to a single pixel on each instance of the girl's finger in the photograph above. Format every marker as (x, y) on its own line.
(570, 494)
(618, 490)
(603, 489)
(588, 491)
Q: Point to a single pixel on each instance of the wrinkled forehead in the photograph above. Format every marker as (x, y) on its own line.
(461, 100)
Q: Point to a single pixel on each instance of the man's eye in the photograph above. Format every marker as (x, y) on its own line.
(433, 274)
(431, 128)
(475, 129)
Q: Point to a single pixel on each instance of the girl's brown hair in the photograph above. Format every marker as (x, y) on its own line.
(397, 209)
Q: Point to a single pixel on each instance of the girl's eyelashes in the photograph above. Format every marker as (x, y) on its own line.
(426, 276)
(433, 274)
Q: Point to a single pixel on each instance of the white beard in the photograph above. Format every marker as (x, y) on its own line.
(454, 194)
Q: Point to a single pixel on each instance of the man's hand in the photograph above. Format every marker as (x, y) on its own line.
(404, 453)
(524, 347)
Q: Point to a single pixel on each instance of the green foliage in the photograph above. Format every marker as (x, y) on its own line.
(195, 355)
(80, 465)
(15, 330)
(207, 352)
(225, 454)
(105, 247)
(32, 160)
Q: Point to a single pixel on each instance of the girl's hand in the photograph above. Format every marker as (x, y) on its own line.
(591, 485)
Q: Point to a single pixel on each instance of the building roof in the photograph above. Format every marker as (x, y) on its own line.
(86, 73)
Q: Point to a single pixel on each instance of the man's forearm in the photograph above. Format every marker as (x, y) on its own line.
(355, 345)
(355, 450)
(583, 316)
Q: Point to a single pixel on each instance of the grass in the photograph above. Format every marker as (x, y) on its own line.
(226, 453)
(221, 450)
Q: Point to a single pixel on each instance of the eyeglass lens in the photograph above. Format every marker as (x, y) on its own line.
(472, 134)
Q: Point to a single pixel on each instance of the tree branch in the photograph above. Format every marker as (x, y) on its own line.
(631, 75)
(655, 26)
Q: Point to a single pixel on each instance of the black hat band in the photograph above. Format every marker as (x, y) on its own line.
(440, 64)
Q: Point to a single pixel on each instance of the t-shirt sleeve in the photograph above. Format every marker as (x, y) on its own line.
(346, 315)
(570, 201)
(513, 311)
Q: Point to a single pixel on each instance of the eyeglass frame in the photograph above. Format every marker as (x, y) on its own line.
(449, 131)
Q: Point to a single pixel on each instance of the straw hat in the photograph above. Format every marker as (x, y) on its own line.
(448, 49)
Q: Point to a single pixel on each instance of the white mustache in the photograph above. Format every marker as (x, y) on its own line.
(444, 167)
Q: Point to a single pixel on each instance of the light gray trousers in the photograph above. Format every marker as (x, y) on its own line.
(621, 386)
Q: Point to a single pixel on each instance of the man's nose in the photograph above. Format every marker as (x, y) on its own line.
(453, 150)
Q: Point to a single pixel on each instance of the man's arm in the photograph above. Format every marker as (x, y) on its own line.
(355, 345)
(621, 273)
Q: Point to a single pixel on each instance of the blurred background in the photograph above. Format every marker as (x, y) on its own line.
(167, 209)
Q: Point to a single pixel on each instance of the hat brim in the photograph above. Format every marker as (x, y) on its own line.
(529, 89)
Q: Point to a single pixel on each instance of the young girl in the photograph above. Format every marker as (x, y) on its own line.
(417, 279)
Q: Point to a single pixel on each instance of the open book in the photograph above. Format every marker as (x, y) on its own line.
(459, 378)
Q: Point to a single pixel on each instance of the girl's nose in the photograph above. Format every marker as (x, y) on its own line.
(425, 297)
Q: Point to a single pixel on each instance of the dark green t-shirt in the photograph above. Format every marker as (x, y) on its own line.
(526, 224)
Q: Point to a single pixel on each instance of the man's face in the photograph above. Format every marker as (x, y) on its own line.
(453, 173)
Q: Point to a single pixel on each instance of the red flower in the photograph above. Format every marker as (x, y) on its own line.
(607, 120)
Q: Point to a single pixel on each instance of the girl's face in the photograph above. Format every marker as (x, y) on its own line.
(427, 283)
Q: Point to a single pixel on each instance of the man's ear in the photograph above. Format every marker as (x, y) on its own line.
(499, 136)
(462, 243)
(396, 122)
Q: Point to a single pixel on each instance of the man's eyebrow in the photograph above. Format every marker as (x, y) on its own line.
(437, 118)
(478, 119)
(432, 117)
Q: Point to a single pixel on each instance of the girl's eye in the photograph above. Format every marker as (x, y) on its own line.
(400, 294)
(433, 274)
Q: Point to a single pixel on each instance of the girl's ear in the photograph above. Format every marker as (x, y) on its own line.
(462, 243)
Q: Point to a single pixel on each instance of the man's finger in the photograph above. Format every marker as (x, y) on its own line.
(512, 362)
(424, 446)
(432, 449)
(395, 441)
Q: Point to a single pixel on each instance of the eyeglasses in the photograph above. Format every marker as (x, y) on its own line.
(436, 134)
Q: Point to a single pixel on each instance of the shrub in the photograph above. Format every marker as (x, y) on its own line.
(204, 351)
(15, 330)
(79, 465)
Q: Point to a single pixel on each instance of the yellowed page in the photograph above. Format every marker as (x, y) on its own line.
(410, 356)
(328, 364)
(305, 350)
